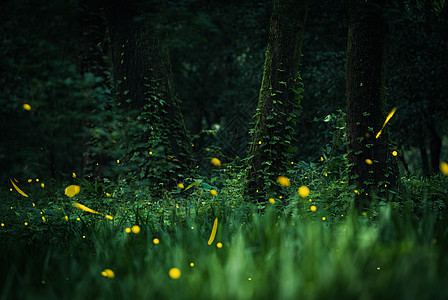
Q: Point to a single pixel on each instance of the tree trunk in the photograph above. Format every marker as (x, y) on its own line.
(144, 86)
(92, 50)
(279, 100)
(372, 166)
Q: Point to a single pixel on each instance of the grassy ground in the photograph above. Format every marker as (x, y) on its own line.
(275, 252)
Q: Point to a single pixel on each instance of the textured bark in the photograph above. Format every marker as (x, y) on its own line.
(92, 49)
(269, 143)
(143, 77)
(366, 102)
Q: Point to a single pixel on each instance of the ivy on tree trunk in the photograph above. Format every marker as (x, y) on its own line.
(372, 167)
(144, 88)
(279, 100)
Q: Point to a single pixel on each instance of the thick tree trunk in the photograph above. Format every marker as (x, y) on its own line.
(279, 98)
(144, 83)
(92, 50)
(372, 166)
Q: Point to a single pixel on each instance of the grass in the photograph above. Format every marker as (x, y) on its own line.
(269, 253)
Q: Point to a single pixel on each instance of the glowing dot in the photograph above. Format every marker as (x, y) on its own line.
(43, 219)
(128, 230)
(292, 163)
(34, 205)
(118, 161)
(192, 145)
(394, 153)
(108, 273)
(108, 195)
(444, 168)
(283, 181)
(150, 152)
(156, 241)
(78, 219)
(192, 227)
(219, 245)
(323, 218)
(321, 158)
(378, 268)
(135, 229)
(180, 185)
(311, 200)
(42, 185)
(271, 200)
(27, 107)
(73, 175)
(37, 179)
(29, 180)
(313, 208)
(216, 162)
(97, 164)
(357, 192)
(26, 223)
(83, 236)
(369, 161)
(66, 218)
(174, 273)
(214, 193)
(281, 197)
(177, 205)
(326, 174)
(191, 264)
(249, 278)
(3, 224)
(304, 191)
(259, 142)
(72, 190)
(385, 185)
(256, 191)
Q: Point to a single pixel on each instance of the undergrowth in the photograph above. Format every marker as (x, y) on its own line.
(282, 249)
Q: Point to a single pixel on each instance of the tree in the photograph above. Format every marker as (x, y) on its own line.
(370, 158)
(158, 147)
(92, 50)
(279, 99)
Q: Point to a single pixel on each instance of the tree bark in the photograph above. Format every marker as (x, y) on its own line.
(279, 100)
(144, 84)
(92, 50)
(372, 165)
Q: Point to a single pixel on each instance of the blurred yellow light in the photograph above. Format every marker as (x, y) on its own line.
(174, 273)
(283, 181)
(216, 162)
(304, 191)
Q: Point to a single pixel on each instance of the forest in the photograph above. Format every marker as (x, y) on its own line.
(218, 149)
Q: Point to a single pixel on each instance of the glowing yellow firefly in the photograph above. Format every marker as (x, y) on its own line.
(212, 236)
(389, 116)
(72, 190)
(85, 208)
(18, 190)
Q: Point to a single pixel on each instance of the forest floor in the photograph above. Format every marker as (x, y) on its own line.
(124, 244)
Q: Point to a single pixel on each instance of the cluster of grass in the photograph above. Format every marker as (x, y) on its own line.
(157, 248)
